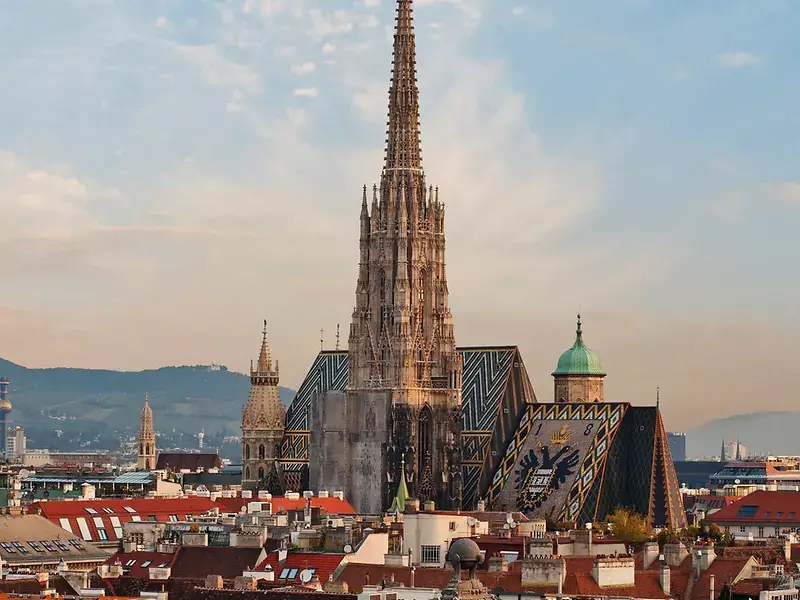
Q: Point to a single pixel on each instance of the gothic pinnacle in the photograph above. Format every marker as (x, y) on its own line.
(403, 147)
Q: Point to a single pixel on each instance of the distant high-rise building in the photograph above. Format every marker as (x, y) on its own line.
(677, 445)
(16, 444)
(733, 450)
(147, 439)
(201, 439)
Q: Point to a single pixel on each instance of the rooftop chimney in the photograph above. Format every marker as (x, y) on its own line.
(665, 578)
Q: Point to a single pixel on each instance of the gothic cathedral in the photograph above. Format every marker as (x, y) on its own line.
(402, 405)
(262, 420)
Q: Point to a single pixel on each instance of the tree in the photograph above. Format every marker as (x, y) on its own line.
(628, 526)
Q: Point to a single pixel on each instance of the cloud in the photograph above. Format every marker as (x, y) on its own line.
(310, 92)
(217, 70)
(304, 68)
(735, 60)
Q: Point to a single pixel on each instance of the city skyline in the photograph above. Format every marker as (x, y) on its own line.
(172, 176)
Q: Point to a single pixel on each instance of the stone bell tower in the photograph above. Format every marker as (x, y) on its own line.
(403, 400)
(263, 419)
(146, 460)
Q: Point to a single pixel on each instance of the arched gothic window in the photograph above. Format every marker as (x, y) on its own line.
(382, 283)
(424, 434)
(247, 452)
(260, 473)
(262, 452)
(147, 449)
(247, 473)
(141, 448)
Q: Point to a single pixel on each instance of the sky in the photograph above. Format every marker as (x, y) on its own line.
(174, 171)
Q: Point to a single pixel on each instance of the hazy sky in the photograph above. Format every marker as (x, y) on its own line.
(173, 171)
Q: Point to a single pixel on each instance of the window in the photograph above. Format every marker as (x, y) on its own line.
(146, 564)
(91, 511)
(452, 525)
(131, 562)
(747, 511)
(8, 547)
(173, 518)
(742, 529)
(76, 544)
(767, 514)
(761, 531)
(20, 548)
(61, 545)
(391, 597)
(102, 534)
(48, 546)
(163, 564)
(262, 452)
(791, 515)
(36, 546)
(152, 518)
(128, 509)
(430, 554)
(778, 515)
(284, 574)
(292, 574)
(108, 510)
(247, 451)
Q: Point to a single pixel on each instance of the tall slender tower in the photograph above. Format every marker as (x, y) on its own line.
(403, 401)
(263, 419)
(146, 460)
(5, 408)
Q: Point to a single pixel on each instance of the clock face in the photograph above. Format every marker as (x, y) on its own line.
(548, 465)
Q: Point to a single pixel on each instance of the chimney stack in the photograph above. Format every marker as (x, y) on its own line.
(665, 578)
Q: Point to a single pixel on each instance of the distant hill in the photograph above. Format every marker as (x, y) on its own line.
(187, 399)
(762, 433)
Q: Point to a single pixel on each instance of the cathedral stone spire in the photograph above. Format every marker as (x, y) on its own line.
(264, 359)
(401, 344)
(403, 146)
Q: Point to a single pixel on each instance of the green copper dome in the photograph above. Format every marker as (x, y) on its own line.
(579, 360)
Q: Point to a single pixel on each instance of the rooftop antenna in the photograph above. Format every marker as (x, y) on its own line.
(658, 396)
(337, 337)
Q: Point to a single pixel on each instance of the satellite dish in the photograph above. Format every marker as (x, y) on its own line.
(306, 575)
(588, 526)
(23, 473)
(512, 524)
(509, 519)
(737, 481)
(348, 548)
(471, 521)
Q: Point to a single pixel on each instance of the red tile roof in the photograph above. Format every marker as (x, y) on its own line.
(725, 571)
(226, 561)
(101, 520)
(279, 504)
(321, 563)
(647, 585)
(138, 564)
(762, 507)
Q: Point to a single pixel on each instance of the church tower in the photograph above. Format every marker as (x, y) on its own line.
(403, 397)
(263, 419)
(578, 376)
(146, 460)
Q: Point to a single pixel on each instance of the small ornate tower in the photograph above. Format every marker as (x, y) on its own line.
(263, 419)
(578, 375)
(146, 460)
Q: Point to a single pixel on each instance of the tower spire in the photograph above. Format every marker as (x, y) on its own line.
(264, 358)
(579, 333)
(403, 145)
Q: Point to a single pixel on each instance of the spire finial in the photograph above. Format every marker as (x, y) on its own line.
(264, 333)
(403, 147)
(658, 396)
(579, 332)
(338, 337)
(264, 363)
(321, 340)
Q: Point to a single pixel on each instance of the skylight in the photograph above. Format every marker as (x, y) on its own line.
(164, 564)
(146, 564)
(108, 510)
(747, 511)
(91, 511)
(129, 509)
(61, 545)
(131, 562)
(7, 547)
(76, 544)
